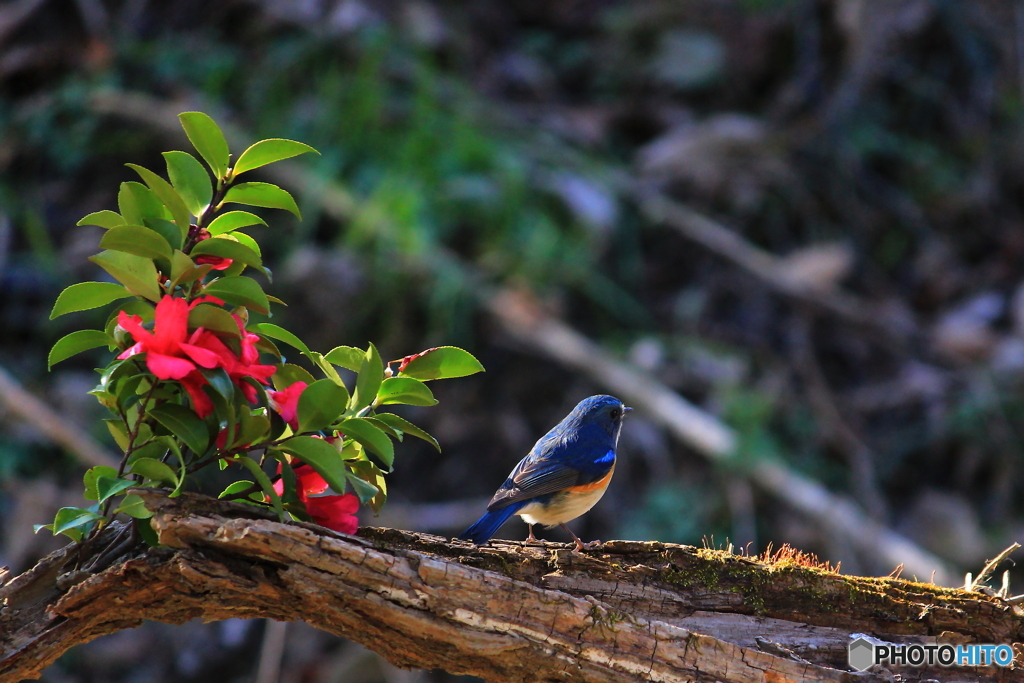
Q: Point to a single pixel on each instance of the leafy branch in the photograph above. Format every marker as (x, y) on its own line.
(196, 377)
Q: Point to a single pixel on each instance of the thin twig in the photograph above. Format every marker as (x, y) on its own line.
(986, 572)
(823, 405)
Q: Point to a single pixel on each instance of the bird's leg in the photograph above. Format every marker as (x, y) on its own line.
(579, 543)
(531, 538)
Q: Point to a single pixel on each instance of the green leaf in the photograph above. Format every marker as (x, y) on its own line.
(371, 373)
(166, 229)
(444, 362)
(220, 382)
(241, 291)
(136, 273)
(208, 140)
(407, 427)
(321, 456)
(320, 404)
(386, 428)
(405, 390)
(236, 487)
(226, 248)
(288, 374)
(373, 439)
(146, 531)
(190, 179)
(133, 506)
(364, 489)
(248, 242)
(264, 481)
(213, 318)
(104, 219)
(91, 475)
(155, 449)
(184, 424)
(233, 220)
(328, 370)
(76, 342)
(267, 152)
(280, 334)
(151, 468)
(72, 518)
(118, 432)
(262, 194)
(137, 203)
(184, 270)
(87, 295)
(370, 473)
(252, 429)
(347, 357)
(111, 486)
(167, 195)
(135, 239)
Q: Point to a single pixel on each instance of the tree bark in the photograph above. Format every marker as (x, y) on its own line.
(624, 611)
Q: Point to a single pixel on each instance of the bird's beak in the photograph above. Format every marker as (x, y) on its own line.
(626, 409)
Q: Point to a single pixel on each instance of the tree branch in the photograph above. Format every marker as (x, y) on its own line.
(508, 612)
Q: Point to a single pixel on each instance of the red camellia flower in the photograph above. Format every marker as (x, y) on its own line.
(408, 359)
(236, 367)
(286, 403)
(332, 511)
(170, 352)
(218, 262)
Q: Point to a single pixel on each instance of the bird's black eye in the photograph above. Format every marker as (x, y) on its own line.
(615, 413)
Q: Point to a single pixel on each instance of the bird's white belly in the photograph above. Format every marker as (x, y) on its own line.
(561, 508)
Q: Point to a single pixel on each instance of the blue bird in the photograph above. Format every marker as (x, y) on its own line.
(563, 476)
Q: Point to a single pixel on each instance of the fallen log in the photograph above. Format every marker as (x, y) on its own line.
(509, 611)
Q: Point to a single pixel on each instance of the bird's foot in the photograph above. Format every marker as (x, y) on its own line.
(592, 545)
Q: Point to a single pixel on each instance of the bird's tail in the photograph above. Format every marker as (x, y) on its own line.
(486, 526)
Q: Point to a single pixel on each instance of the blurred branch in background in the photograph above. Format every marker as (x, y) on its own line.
(58, 429)
(816, 284)
(272, 652)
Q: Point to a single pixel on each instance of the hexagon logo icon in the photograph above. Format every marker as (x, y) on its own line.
(861, 654)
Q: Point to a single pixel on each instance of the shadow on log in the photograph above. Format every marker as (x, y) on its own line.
(506, 612)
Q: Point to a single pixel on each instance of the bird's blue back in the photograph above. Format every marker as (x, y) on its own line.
(578, 451)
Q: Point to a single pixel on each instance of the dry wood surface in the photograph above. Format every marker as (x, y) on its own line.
(623, 611)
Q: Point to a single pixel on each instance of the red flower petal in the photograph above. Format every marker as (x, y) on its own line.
(133, 324)
(204, 357)
(286, 402)
(335, 512)
(206, 299)
(171, 326)
(194, 384)
(168, 367)
(309, 481)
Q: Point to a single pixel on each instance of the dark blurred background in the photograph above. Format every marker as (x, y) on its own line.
(870, 152)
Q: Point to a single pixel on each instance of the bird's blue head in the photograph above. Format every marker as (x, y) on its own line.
(601, 411)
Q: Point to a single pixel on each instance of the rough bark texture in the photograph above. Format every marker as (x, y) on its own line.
(507, 612)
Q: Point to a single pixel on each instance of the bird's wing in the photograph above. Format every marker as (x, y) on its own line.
(536, 476)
